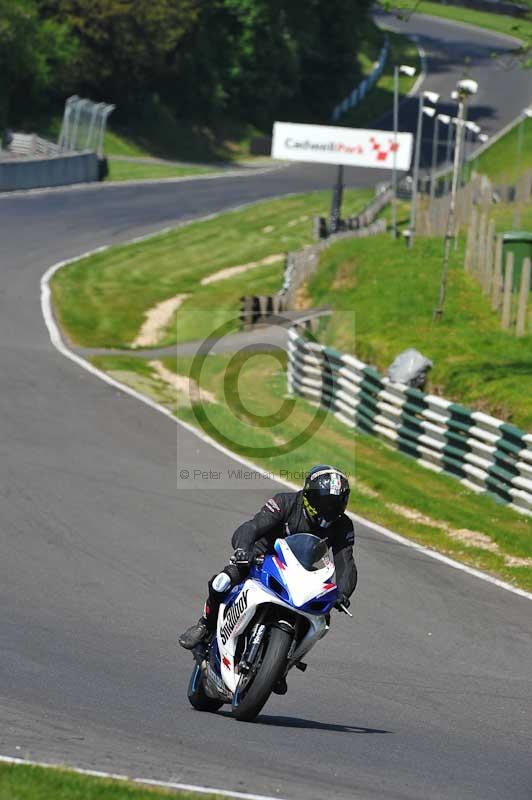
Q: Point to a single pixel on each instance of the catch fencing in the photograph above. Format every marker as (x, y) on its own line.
(363, 88)
(485, 454)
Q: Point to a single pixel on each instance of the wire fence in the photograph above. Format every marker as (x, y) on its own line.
(83, 126)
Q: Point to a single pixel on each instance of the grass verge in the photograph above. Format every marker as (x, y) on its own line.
(389, 488)
(393, 297)
(101, 301)
(520, 28)
(135, 171)
(22, 782)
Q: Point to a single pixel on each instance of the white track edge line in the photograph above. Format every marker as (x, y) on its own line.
(57, 341)
(423, 61)
(184, 787)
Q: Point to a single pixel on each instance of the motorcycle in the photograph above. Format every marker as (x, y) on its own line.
(265, 627)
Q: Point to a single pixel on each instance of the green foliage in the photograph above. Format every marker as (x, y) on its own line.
(34, 55)
(240, 59)
(124, 47)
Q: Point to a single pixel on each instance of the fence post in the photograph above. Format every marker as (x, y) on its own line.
(487, 272)
(471, 251)
(497, 276)
(478, 264)
(507, 294)
(524, 293)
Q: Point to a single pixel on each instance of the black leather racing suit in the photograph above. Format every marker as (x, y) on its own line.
(281, 516)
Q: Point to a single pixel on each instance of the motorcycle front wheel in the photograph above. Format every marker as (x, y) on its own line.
(196, 693)
(250, 701)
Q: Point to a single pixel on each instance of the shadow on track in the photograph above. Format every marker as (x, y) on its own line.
(311, 724)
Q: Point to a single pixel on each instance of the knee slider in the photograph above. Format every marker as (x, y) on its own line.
(221, 582)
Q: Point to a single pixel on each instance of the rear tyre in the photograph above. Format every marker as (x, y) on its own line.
(196, 693)
(247, 705)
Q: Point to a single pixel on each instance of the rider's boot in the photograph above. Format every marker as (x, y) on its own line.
(195, 634)
(280, 686)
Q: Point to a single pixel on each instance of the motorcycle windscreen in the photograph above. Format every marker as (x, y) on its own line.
(311, 551)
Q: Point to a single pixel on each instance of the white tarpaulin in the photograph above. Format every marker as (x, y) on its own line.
(353, 147)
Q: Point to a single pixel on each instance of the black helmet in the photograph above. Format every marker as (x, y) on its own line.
(325, 494)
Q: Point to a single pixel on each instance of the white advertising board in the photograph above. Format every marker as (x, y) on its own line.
(353, 147)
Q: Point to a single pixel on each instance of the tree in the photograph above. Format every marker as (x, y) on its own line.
(125, 46)
(34, 55)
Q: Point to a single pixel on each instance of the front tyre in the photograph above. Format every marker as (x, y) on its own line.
(249, 703)
(196, 693)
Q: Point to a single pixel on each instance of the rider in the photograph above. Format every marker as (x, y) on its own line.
(318, 508)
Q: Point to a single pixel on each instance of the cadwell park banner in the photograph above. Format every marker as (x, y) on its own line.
(353, 147)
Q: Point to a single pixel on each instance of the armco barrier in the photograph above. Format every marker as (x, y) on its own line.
(484, 453)
(42, 172)
(368, 83)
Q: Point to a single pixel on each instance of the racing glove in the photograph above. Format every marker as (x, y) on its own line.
(343, 600)
(241, 556)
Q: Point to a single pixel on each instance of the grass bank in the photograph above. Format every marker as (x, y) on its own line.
(101, 301)
(501, 161)
(21, 782)
(393, 294)
(388, 487)
(520, 28)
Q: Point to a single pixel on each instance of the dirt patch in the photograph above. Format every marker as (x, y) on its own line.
(473, 539)
(185, 387)
(303, 299)
(514, 561)
(463, 535)
(345, 277)
(367, 491)
(157, 318)
(298, 221)
(230, 272)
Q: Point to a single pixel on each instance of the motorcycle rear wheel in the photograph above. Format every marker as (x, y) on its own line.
(196, 693)
(246, 706)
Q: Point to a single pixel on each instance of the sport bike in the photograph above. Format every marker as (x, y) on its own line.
(265, 627)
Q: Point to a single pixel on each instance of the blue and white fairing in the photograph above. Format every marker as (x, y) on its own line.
(298, 576)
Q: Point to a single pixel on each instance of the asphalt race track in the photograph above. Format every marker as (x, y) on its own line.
(427, 693)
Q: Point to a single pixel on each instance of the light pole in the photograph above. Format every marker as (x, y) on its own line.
(435, 153)
(336, 207)
(526, 114)
(465, 89)
(433, 97)
(410, 71)
(448, 148)
(469, 128)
